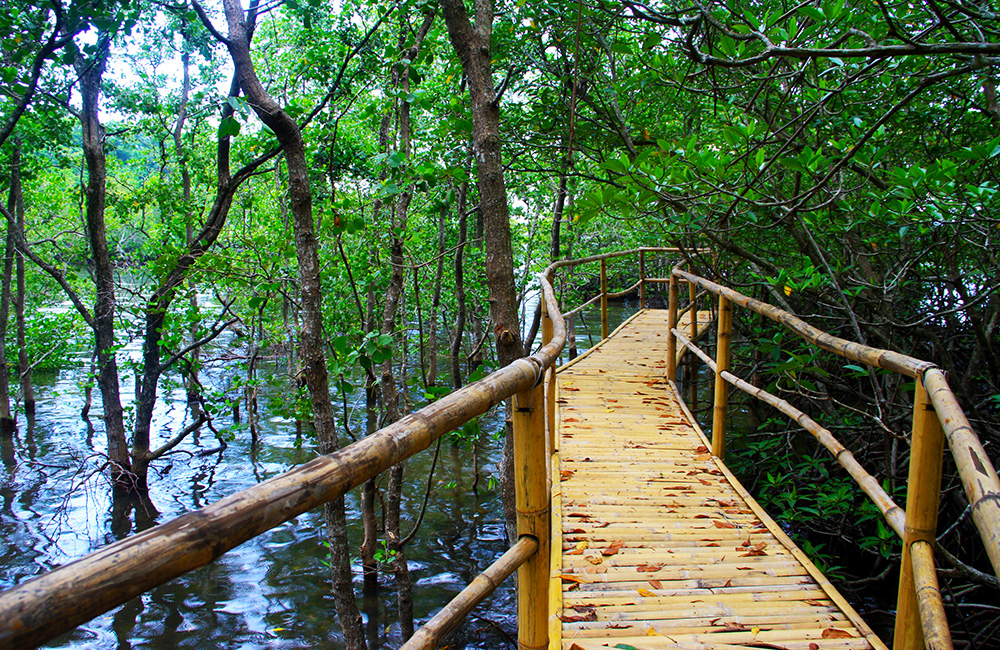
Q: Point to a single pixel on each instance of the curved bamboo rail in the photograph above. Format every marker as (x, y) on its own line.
(55, 602)
(921, 619)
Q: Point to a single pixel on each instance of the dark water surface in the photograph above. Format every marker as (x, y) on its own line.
(272, 591)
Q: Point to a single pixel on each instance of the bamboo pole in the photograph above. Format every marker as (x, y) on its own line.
(693, 331)
(934, 621)
(435, 630)
(550, 380)
(982, 487)
(533, 507)
(604, 299)
(642, 279)
(671, 325)
(923, 488)
(722, 361)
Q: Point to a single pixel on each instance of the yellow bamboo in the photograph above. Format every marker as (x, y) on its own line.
(723, 354)
(894, 515)
(979, 477)
(604, 299)
(922, 495)
(533, 507)
(642, 279)
(550, 380)
(934, 622)
(671, 337)
(435, 630)
(555, 557)
(693, 331)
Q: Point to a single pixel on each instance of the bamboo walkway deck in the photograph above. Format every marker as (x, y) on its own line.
(655, 542)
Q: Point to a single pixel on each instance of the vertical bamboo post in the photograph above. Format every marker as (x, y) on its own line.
(604, 299)
(923, 489)
(550, 379)
(722, 360)
(671, 325)
(693, 334)
(533, 504)
(642, 279)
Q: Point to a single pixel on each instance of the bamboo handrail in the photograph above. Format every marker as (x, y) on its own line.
(893, 514)
(921, 620)
(979, 477)
(435, 630)
(48, 605)
(886, 359)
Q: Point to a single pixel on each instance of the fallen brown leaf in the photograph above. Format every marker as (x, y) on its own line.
(836, 633)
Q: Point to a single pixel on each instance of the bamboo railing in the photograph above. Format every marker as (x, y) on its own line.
(937, 418)
(55, 602)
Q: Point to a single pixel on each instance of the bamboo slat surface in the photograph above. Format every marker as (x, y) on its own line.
(655, 544)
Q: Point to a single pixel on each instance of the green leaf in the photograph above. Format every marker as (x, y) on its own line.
(813, 12)
(622, 48)
(228, 127)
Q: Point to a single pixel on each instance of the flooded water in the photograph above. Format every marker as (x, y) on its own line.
(273, 591)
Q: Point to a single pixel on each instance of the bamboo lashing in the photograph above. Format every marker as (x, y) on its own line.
(430, 635)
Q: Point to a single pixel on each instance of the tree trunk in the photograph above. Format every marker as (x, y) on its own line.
(472, 44)
(104, 280)
(23, 365)
(191, 376)
(311, 354)
(7, 422)
(456, 339)
(432, 330)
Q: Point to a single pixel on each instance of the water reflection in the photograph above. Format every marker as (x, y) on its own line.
(272, 591)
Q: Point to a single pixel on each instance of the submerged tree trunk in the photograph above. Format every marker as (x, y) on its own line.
(313, 370)
(456, 339)
(104, 279)
(7, 422)
(23, 365)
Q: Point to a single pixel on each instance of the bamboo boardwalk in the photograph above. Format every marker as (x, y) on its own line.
(655, 542)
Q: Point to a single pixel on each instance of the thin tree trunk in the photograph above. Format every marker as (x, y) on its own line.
(311, 354)
(456, 339)
(472, 44)
(191, 378)
(432, 330)
(104, 305)
(7, 422)
(23, 365)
